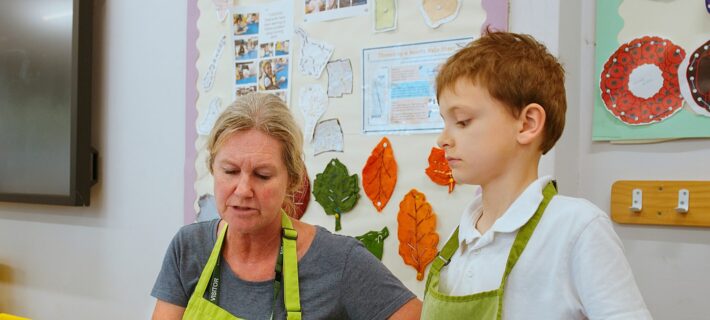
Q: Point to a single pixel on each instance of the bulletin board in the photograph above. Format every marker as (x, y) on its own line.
(346, 29)
(645, 53)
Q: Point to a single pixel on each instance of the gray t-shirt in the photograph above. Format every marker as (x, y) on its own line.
(338, 279)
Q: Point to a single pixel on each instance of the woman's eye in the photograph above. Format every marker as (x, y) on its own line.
(263, 176)
(229, 171)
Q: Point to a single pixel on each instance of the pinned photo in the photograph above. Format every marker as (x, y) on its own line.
(282, 48)
(245, 49)
(274, 74)
(242, 91)
(246, 72)
(266, 50)
(245, 23)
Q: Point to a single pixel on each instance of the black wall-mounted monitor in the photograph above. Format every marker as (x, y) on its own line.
(45, 102)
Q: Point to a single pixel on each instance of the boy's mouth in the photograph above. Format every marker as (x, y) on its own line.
(452, 161)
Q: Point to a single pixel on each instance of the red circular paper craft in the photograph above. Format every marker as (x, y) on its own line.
(614, 83)
(697, 76)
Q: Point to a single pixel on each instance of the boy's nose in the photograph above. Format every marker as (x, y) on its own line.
(443, 140)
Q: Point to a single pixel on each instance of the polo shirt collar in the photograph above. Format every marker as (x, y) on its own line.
(519, 212)
(467, 226)
(523, 208)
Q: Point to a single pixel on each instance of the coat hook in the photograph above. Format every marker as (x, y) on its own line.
(683, 201)
(636, 200)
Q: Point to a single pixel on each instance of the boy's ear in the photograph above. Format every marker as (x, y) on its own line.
(532, 123)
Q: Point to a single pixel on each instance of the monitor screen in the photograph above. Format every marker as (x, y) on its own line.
(38, 97)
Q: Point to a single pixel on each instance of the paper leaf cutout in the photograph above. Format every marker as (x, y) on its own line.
(379, 176)
(439, 170)
(374, 241)
(417, 232)
(301, 198)
(438, 12)
(335, 190)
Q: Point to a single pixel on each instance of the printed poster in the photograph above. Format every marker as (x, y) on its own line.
(398, 86)
(262, 55)
(323, 10)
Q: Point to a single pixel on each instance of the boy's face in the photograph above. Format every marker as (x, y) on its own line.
(479, 134)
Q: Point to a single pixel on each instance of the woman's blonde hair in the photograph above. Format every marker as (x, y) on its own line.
(270, 115)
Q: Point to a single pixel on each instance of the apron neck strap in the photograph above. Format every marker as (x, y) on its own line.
(521, 241)
(526, 231)
(292, 299)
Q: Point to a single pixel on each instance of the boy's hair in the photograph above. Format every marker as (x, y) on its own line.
(516, 70)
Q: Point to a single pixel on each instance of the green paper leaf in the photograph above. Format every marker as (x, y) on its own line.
(374, 241)
(335, 190)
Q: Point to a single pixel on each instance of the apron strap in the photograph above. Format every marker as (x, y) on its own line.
(526, 231)
(292, 297)
(443, 258)
(205, 277)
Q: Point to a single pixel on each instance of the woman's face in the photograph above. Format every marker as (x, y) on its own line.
(250, 181)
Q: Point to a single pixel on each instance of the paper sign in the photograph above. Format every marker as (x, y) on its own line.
(313, 102)
(328, 136)
(208, 79)
(385, 15)
(314, 55)
(340, 78)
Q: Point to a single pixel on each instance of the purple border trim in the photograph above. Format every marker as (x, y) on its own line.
(193, 12)
(496, 15)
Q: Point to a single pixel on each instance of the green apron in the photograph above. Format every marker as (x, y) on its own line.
(482, 305)
(199, 308)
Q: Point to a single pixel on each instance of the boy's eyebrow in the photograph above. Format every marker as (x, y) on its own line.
(451, 110)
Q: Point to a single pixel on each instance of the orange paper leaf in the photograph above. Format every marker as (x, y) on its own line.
(417, 232)
(439, 170)
(379, 175)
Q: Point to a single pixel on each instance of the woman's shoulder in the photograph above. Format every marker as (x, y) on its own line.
(198, 235)
(329, 246)
(334, 241)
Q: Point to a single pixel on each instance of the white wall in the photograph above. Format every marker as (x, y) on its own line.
(100, 262)
(670, 263)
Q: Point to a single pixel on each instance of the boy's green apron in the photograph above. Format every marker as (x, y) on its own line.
(483, 305)
(199, 308)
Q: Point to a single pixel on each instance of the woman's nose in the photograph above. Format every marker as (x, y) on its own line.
(243, 187)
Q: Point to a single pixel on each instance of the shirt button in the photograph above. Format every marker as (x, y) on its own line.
(477, 251)
(469, 274)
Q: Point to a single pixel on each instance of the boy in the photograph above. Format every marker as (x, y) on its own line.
(519, 251)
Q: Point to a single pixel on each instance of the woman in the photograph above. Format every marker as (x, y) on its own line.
(259, 254)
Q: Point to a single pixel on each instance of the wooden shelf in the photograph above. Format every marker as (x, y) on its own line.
(659, 200)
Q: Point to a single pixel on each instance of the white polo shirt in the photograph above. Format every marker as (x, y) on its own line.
(572, 268)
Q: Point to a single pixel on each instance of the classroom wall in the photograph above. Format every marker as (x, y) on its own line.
(670, 263)
(100, 262)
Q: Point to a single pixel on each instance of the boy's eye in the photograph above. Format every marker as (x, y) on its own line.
(462, 123)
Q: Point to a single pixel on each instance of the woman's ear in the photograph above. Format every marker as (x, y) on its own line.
(532, 120)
